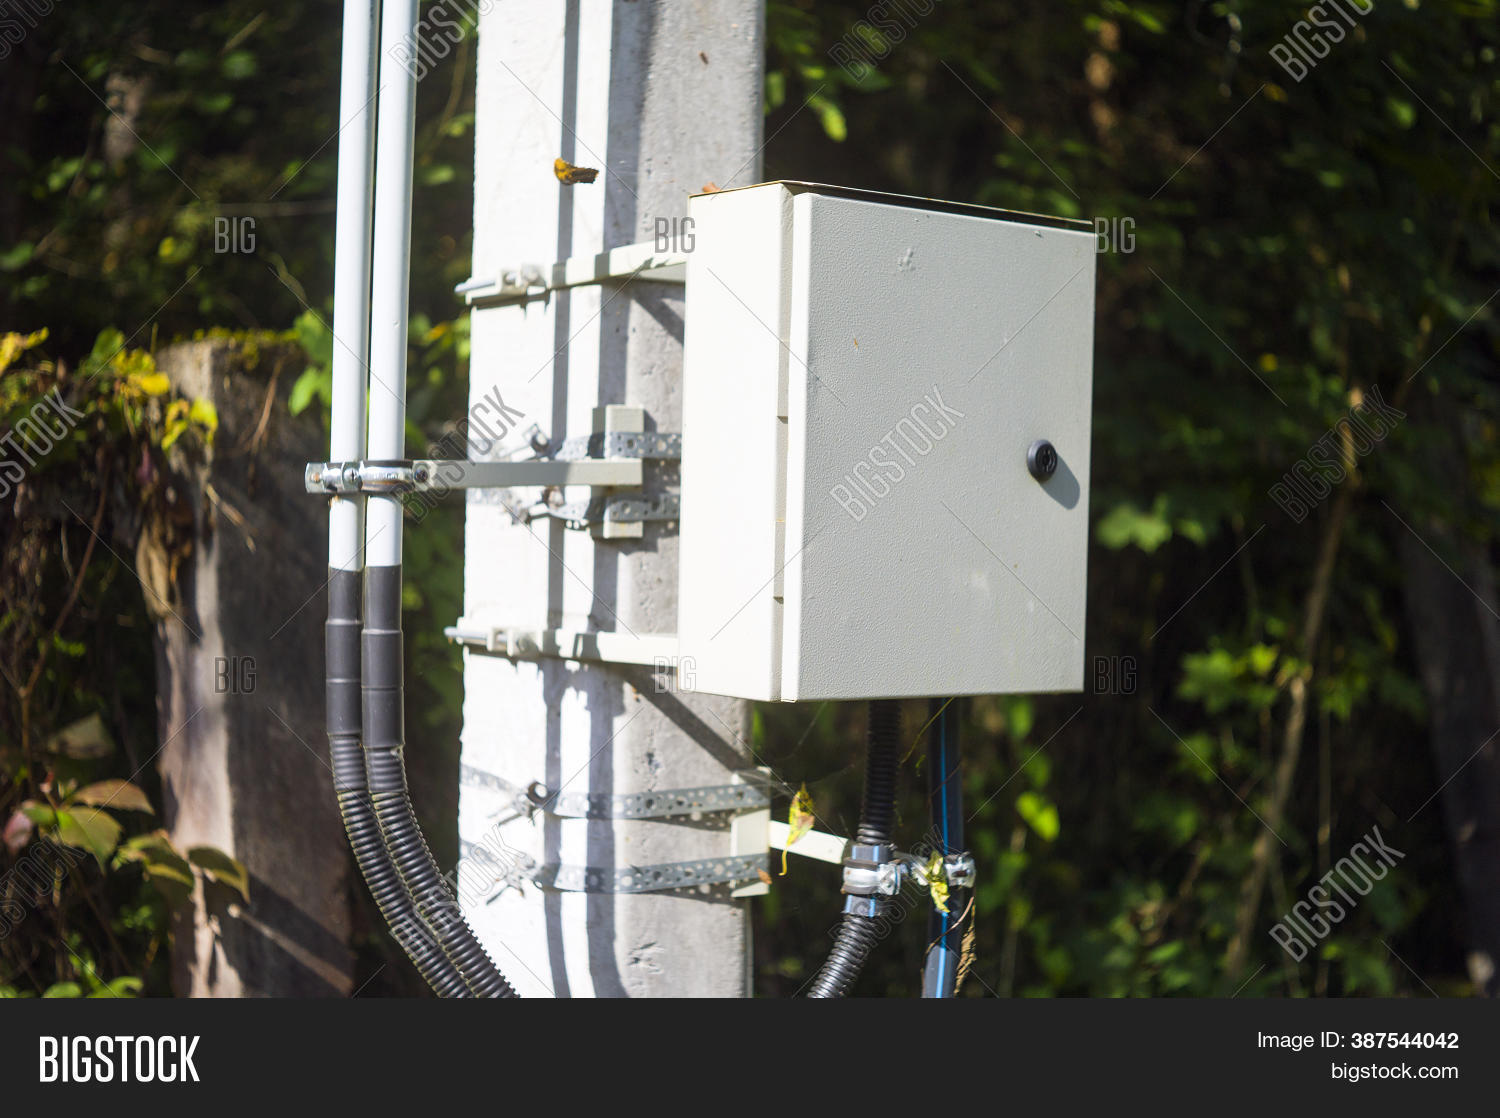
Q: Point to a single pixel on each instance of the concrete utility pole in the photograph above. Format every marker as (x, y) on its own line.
(662, 98)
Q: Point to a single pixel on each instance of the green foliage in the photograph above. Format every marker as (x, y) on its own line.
(1294, 245)
(222, 113)
(220, 867)
(316, 381)
(215, 117)
(1125, 525)
(1219, 679)
(74, 812)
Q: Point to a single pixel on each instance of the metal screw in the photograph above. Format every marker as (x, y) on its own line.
(1041, 459)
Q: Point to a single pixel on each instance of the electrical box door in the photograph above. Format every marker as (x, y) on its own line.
(885, 447)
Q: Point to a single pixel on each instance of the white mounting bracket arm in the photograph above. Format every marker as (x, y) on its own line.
(817, 845)
(645, 261)
(518, 643)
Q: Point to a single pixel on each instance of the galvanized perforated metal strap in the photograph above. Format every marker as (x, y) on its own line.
(636, 879)
(622, 444)
(620, 510)
(651, 879)
(630, 805)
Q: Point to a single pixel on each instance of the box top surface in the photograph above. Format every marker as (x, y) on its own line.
(913, 201)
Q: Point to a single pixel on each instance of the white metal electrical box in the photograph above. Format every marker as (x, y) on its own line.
(874, 390)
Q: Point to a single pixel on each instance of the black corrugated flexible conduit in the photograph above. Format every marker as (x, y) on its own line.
(344, 719)
(383, 739)
(863, 916)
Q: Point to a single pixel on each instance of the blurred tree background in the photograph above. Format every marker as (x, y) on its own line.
(1276, 247)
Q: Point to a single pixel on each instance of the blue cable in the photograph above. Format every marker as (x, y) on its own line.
(944, 807)
(943, 939)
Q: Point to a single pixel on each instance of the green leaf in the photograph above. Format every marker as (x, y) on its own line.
(118, 794)
(238, 64)
(314, 337)
(220, 867)
(1219, 679)
(1020, 715)
(152, 384)
(203, 413)
(177, 426)
(313, 384)
(1126, 524)
(13, 345)
(85, 740)
(775, 90)
(168, 871)
(1261, 658)
(1165, 952)
(1192, 529)
(175, 886)
(1211, 678)
(1137, 15)
(1040, 814)
(126, 986)
(17, 256)
(155, 849)
(109, 342)
(304, 391)
(831, 117)
(39, 813)
(63, 990)
(89, 829)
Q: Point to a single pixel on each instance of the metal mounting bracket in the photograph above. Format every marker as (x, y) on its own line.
(755, 831)
(516, 643)
(609, 516)
(609, 459)
(533, 281)
(619, 434)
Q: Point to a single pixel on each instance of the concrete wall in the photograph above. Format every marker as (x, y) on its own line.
(240, 687)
